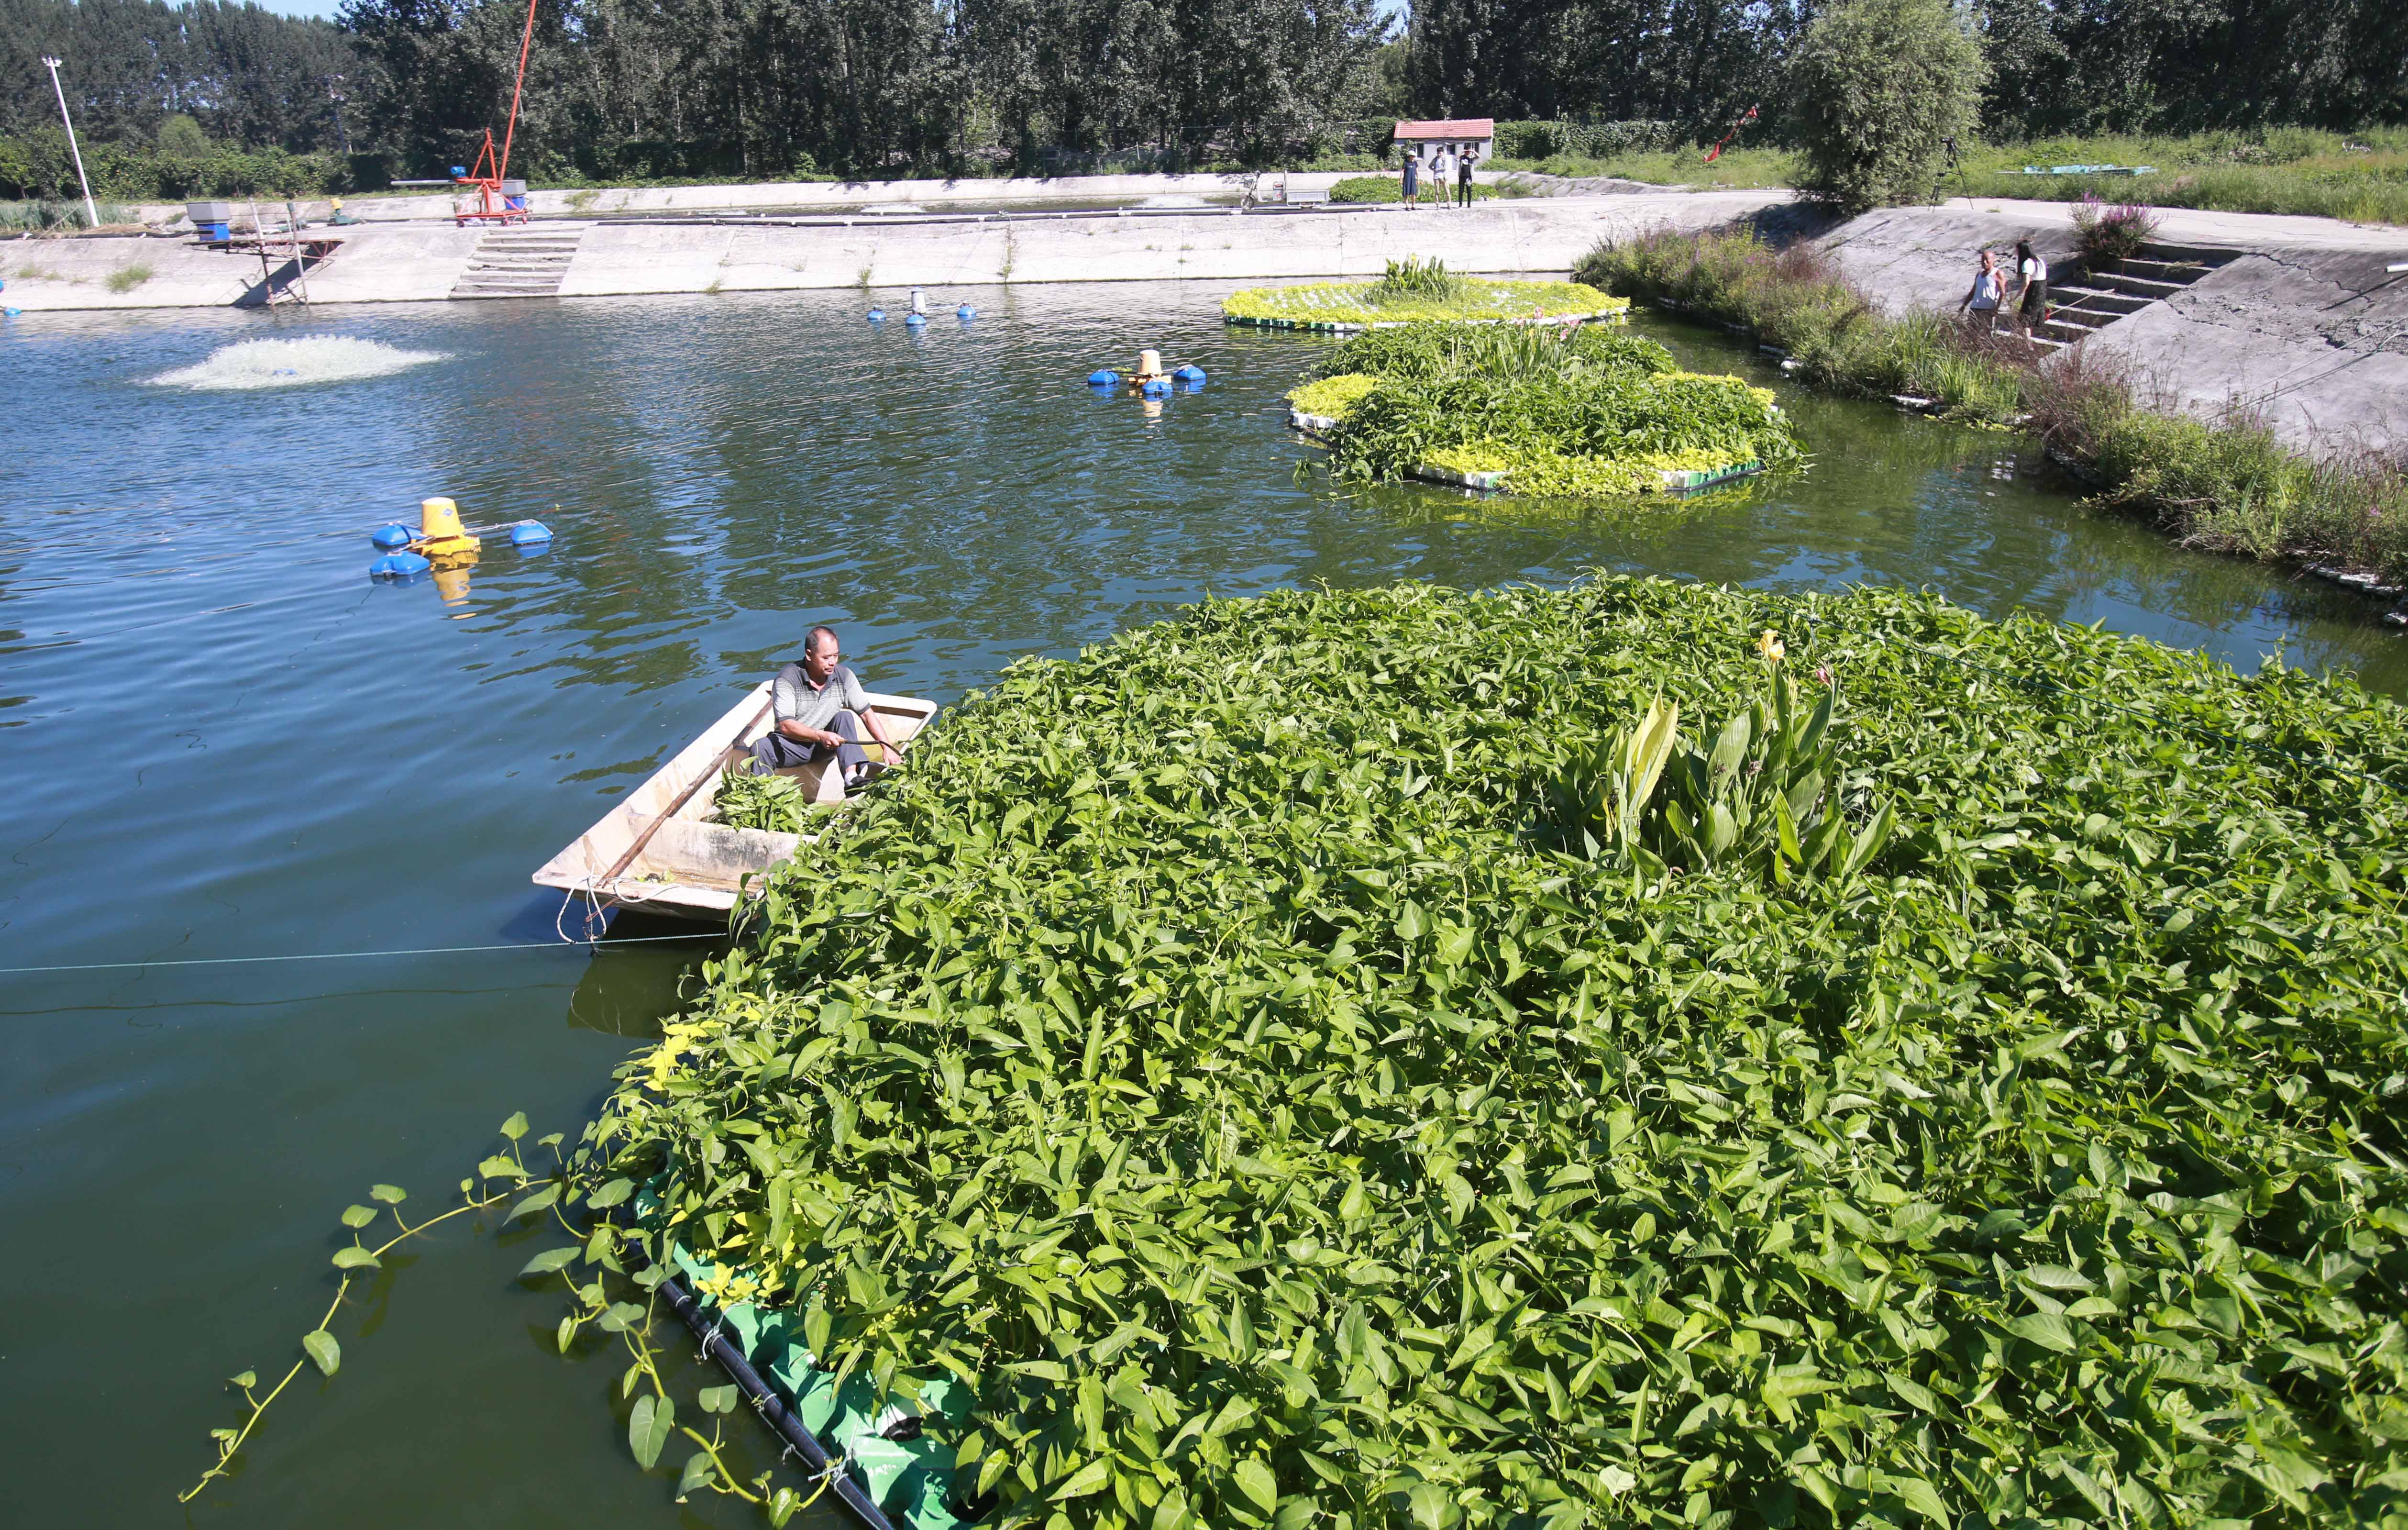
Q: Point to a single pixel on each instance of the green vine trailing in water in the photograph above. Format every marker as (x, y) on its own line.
(505, 1178)
(319, 1346)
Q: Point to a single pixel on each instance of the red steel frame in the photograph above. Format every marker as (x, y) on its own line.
(488, 172)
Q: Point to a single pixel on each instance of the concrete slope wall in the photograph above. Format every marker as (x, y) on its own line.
(1534, 234)
(423, 261)
(2306, 326)
(834, 195)
(403, 262)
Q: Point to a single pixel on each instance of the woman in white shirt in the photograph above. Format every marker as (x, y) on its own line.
(2032, 304)
(1982, 299)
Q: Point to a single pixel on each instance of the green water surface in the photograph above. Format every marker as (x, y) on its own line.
(221, 739)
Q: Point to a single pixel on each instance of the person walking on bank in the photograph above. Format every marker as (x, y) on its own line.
(817, 701)
(2031, 303)
(1412, 178)
(1463, 175)
(1983, 297)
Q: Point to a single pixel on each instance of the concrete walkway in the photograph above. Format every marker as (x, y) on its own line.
(425, 261)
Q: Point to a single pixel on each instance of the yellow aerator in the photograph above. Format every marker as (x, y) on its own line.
(440, 535)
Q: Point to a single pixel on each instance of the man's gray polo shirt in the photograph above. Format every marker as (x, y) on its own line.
(797, 702)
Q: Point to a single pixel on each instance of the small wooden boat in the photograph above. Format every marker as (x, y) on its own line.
(663, 849)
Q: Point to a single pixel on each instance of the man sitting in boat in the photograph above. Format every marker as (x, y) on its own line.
(816, 702)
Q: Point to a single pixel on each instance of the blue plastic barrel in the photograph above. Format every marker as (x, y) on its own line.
(1157, 388)
(530, 534)
(390, 536)
(965, 311)
(1190, 374)
(915, 320)
(1105, 379)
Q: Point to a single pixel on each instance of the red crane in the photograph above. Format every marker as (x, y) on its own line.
(494, 205)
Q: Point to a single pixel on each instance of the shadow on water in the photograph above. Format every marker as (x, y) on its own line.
(224, 740)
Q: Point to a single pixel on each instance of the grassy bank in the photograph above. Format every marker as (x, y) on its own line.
(2361, 177)
(1306, 1105)
(1592, 413)
(2226, 483)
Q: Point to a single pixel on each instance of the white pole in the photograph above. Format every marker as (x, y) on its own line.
(89, 210)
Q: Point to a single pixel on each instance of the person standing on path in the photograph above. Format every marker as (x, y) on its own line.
(1440, 162)
(1413, 177)
(2031, 306)
(1981, 298)
(1463, 175)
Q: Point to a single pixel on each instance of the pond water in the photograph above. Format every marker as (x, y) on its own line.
(221, 739)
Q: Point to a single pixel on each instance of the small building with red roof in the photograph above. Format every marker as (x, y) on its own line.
(1478, 134)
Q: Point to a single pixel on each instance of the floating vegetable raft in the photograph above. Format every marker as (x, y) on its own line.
(1346, 306)
(1580, 414)
(1575, 1057)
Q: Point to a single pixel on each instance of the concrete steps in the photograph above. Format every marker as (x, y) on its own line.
(2087, 300)
(526, 261)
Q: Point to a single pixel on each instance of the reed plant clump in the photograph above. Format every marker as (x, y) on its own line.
(2111, 231)
(1267, 1118)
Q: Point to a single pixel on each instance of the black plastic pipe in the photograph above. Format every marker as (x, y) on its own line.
(771, 1407)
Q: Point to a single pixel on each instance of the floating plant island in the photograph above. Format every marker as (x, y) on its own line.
(1582, 413)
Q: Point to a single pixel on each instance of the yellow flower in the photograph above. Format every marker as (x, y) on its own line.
(1769, 645)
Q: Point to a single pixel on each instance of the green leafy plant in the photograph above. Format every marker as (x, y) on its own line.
(1413, 280)
(1601, 803)
(774, 802)
(1262, 1126)
(126, 278)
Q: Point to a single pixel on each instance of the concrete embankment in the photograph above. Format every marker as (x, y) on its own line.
(403, 262)
(2302, 323)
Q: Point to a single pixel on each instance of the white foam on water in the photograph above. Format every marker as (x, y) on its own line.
(291, 363)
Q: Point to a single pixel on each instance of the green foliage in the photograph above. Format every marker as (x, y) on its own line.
(126, 278)
(1419, 352)
(1879, 84)
(1390, 188)
(2361, 176)
(1535, 140)
(1265, 1124)
(1330, 305)
(1331, 397)
(1582, 413)
(773, 802)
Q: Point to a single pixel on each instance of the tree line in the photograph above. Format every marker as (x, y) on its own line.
(173, 95)
(2055, 66)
